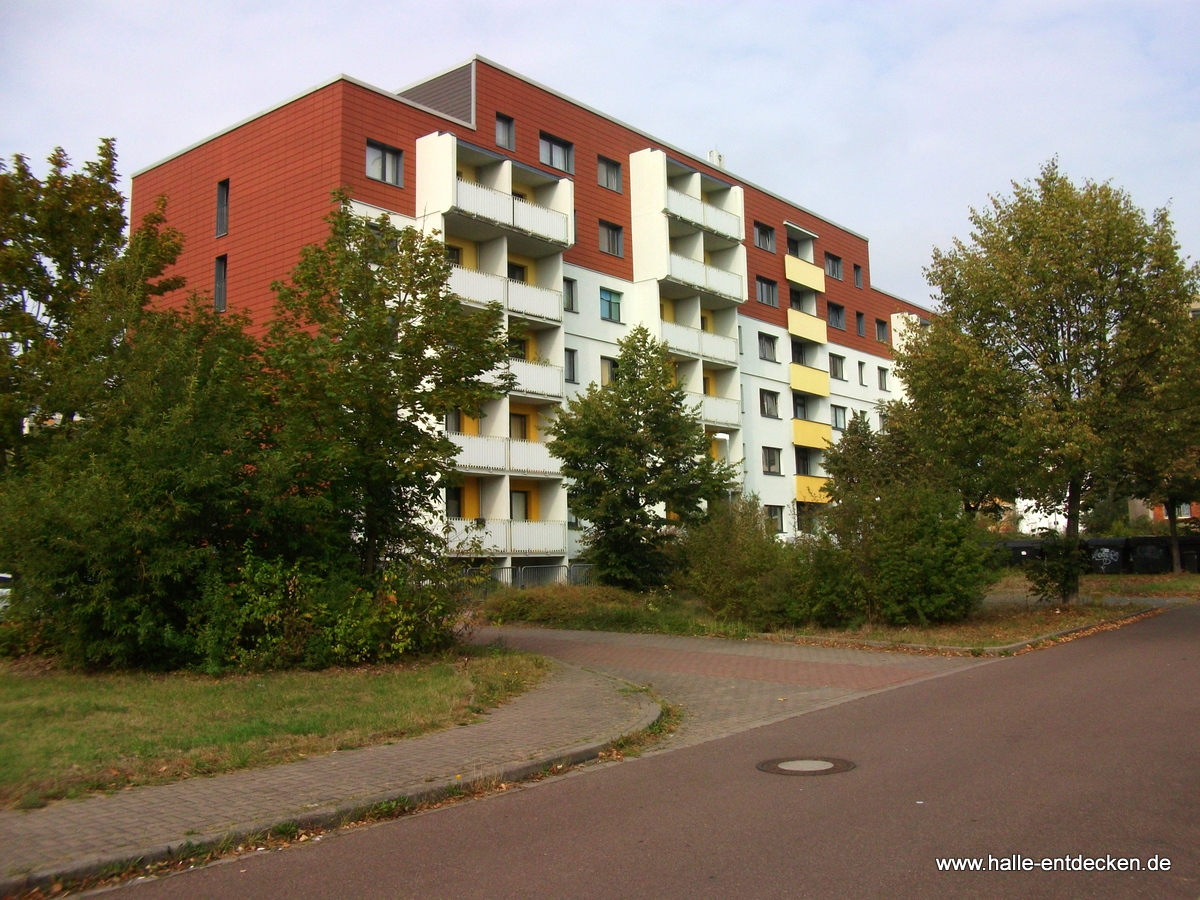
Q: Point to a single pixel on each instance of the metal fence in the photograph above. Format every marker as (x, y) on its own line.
(1112, 556)
(492, 578)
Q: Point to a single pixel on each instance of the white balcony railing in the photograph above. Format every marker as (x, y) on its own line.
(710, 278)
(521, 298)
(704, 214)
(718, 347)
(533, 457)
(505, 209)
(531, 300)
(717, 410)
(695, 342)
(537, 379)
(478, 451)
(478, 287)
(681, 339)
(539, 537)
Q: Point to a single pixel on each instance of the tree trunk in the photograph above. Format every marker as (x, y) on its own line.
(1071, 543)
(1172, 511)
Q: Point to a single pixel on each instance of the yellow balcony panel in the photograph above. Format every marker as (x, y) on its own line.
(808, 489)
(811, 434)
(804, 273)
(810, 380)
(803, 325)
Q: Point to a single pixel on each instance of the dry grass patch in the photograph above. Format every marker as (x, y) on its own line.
(67, 733)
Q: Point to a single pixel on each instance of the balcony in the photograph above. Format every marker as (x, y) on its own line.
(694, 342)
(696, 274)
(719, 411)
(505, 209)
(515, 296)
(803, 273)
(811, 434)
(469, 537)
(705, 215)
(810, 380)
(808, 489)
(499, 454)
(536, 379)
(811, 328)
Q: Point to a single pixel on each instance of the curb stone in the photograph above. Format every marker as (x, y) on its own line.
(328, 817)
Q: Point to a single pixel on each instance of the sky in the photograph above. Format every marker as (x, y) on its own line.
(892, 119)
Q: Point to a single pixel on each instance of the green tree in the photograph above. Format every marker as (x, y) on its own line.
(367, 352)
(638, 463)
(1061, 301)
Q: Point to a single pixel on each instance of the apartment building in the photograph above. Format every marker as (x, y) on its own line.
(580, 227)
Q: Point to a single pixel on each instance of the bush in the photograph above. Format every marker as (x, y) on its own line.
(1057, 569)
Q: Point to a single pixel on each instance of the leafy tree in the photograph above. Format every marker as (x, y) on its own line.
(1061, 302)
(367, 351)
(638, 461)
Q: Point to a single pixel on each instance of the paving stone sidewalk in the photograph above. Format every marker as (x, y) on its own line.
(571, 715)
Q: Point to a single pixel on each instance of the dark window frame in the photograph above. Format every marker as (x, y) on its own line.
(387, 153)
(221, 283)
(547, 144)
(223, 207)
(612, 239)
(764, 237)
(608, 174)
(765, 287)
(506, 127)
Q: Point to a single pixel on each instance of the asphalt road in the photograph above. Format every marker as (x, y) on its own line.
(1091, 748)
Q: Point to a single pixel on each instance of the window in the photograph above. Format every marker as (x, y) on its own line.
(883, 420)
(837, 367)
(608, 173)
(764, 237)
(799, 406)
(518, 506)
(506, 132)
(612, 239)
(518, 426)
(799, 352)
(454, 255)
(862, 374)
(766, 347)
(570, 295)
(518, 347)
(610, 305)
(454, 421)
(385, 163)
(771, 461)
(804, 464)
(883, 378)
(768, 291)
(454, 503)
(608, 368)
(556, 153)
(774, 516)
(881, 331)
(858, 276)
(220, 275)
(837, 417)
(833, 266)
(517, 272)
(794, 247)
(768, 404)
(837, 316)
(222, 207)
(796, 299)
(860, 324)
(1184, 511)
(570, 366)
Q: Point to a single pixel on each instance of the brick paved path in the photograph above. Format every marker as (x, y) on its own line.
(571, 711)
(729, 686)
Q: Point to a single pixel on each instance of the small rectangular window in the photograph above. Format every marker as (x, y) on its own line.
(768, 404)
(883, 378)
(517, 272)
(862, 374)
(858, 276)
(223, 208)
(610, 305)
(766, 347)
(453, 255)
(804, 464)
(837, 316)
(768, 291)
(612, 238)
(799, 406)
(881, 331)
(774, 516)
(608, 368)
(838, 417)
(518, 426)
(454, 503)
(833, 266)
(794, 247)
(220, 276)
(796, 299)
(454, 421)
(385, 163)
(860, 324)
(772, 461)
(556, 153)
(799, 352)
(837, 367)
(570, 295)
(608, 173)
(506, 132)
(764, 237)
(883, 420)
(518, 506)
(570, 363)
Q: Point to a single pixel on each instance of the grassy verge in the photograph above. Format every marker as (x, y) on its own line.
(610, 609)
(1014, 588)
(67, 733)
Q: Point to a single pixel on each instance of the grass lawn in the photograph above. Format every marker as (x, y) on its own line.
(68, 733)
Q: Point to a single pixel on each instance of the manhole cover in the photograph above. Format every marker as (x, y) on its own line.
(806, 765)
